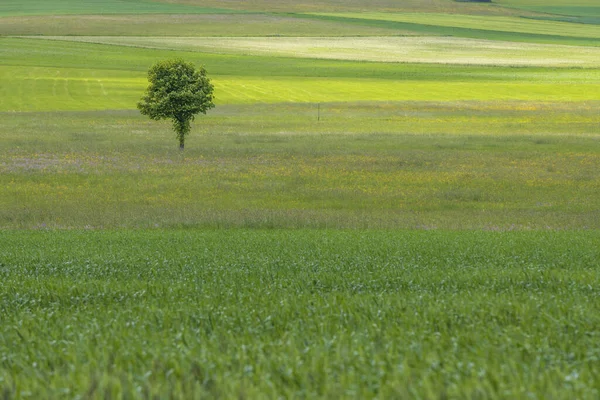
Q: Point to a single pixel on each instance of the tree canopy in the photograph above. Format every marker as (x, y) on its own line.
(177, 91)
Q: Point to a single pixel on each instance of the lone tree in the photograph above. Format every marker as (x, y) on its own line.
(177, 91)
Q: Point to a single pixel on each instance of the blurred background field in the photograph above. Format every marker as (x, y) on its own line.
(464, 139)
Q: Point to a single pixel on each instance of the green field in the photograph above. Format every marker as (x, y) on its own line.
(299, 314)
(391, 199)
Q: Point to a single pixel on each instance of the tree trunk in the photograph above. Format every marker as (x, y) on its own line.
(182, 127)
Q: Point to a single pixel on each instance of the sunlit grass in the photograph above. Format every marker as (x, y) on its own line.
(50, 89)
(240, 90)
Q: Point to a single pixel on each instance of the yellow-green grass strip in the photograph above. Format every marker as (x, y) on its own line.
(244, 89)
(489, 23)
(442, 50)
(49, 89)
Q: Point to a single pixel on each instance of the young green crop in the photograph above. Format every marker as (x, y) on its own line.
(299, 314)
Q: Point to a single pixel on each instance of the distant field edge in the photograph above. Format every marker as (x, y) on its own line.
(438, 30)
(12, 8)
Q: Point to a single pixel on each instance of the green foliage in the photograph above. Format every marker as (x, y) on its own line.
(177, 91)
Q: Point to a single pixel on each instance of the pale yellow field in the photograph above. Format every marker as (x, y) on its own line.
(442, 50)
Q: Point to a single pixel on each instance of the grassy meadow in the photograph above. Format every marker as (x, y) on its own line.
(390, 200)
(278, 166)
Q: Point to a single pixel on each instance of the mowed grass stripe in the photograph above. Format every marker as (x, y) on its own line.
(332, 90)
(48, 89)
(39, 89)
(378, 49)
